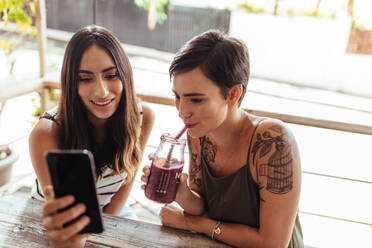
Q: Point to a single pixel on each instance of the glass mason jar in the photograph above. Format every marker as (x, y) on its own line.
(166, 168)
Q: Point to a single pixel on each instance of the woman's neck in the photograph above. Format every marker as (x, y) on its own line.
(100, 133)
(99, 126)
(230, 130)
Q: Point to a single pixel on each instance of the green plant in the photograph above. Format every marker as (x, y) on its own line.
(251, 8)
(4, 152)
(293, 10)
(360, 26)
(161, 16)
(53, 98)
(290, 12)
(21, 13)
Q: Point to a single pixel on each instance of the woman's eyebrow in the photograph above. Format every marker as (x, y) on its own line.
(85, 71)
(109, 68)
(194, 94)
(104, 70)
(190, 94)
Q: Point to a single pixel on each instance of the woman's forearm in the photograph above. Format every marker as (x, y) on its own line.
(118, 200)
(237, 235)
(191, 202)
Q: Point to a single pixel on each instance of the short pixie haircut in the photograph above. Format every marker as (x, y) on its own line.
(222, 59)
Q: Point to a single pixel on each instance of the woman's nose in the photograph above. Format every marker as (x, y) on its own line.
(183, 111)
(101, 88)
(186, 116)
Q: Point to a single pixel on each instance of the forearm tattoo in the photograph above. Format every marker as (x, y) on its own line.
(279, 169)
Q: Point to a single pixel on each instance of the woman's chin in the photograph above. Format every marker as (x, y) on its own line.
(193, 134)
(99, 118)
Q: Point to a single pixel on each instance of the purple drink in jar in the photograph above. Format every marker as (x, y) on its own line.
(166, 169)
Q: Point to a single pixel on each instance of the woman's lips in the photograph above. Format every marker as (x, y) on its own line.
(190, 125)
(102, 104)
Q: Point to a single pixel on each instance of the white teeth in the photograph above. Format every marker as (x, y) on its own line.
(102, 103)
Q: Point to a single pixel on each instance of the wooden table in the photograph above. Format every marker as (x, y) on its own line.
(20, 226)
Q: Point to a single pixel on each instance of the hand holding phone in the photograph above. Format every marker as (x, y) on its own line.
(52, 218)
(72, 173)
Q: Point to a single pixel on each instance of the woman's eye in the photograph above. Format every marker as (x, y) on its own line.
(177, 97)
(196, 100)
(111, 76)
(84, 79)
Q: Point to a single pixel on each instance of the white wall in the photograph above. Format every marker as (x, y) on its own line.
(303, 50)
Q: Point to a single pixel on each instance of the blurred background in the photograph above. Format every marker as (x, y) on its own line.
(310, 67)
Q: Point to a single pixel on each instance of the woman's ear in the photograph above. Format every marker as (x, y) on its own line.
(235, 94)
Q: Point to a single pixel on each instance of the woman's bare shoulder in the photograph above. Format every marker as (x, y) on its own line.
(272, 135)
(148, 118)
(266, 126)
(45, 131)
(148, 114)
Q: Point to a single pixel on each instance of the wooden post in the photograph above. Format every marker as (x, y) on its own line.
(41, 34)
(276, 8)
(350, 8)
(316, 12)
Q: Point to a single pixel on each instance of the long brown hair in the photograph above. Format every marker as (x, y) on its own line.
(121, 147)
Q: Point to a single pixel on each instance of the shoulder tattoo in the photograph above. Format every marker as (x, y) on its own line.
(278, 171)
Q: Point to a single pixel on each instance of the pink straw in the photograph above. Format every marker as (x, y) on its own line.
(172, 146)
(180, 133)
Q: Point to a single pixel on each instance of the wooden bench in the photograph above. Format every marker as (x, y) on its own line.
(18, 85)
(14, 86)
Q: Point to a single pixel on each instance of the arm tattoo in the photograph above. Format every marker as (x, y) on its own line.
(279, 169)
(194, 166)
(208, 149)
(194, 169)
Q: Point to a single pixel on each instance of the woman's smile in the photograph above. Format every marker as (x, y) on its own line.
(103, 104)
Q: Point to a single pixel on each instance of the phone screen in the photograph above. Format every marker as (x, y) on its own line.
(72, 173)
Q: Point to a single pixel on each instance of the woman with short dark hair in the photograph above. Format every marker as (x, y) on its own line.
(244, 174)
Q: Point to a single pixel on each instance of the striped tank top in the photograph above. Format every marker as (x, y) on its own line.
(105, 188)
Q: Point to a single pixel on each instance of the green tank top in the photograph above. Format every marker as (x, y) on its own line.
(235, 199)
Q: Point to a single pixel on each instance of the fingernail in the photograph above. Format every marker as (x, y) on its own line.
(81, 207)
(70, 199)
(86, 219)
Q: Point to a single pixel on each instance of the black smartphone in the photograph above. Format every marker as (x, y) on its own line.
(72, 172)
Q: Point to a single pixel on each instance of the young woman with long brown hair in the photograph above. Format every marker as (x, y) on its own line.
(98, 111)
